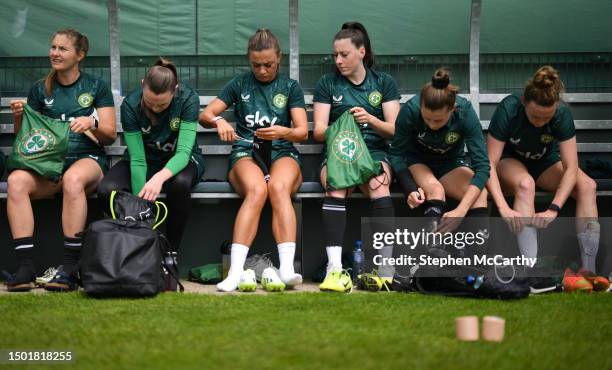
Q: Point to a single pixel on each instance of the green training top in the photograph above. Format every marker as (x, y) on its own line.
(342, 94)
(414, 138)
(259, 105)
(169, 142)
(67, 102)
(511, 125)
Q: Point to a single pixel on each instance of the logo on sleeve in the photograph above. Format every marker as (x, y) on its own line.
(175, 123)
(546, 138)
(85, 100)
(279, 101)
(375, 98)
(35, 142)
(346, 147)
(452, 137)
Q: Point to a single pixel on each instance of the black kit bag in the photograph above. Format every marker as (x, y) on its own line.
(469, 281)
(126, 256)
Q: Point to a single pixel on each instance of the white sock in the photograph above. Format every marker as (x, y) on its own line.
(237, 257)
(286, 254)
(334, 258)
(386, 270)
(528, 242)
(588, 240)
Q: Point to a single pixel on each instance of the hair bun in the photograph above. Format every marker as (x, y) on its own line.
(440, 80)
(545, 78)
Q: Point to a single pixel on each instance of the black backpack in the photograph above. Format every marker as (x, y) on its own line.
(127, 256)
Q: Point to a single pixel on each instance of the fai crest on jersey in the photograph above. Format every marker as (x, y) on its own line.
(175, 123)
(546, 138)
(375, 98)
(85, 100)
(346, 148)
(452, 137)
(279, 101)
(35, 143)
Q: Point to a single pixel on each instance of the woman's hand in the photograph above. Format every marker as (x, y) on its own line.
(451, 220)
(226, 132)
(416, 198)
(361, 115)
(273, 133)
(513, 219)
(81, 124)
(541, 220)
(17, 107)
(150, 191)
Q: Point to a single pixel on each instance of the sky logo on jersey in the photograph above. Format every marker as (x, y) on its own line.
(245, 98)
(337, 99)
(49, 102)
(279, 101)
(85, 100)
(375, 98)
(536, 156)
(546, 139)
(258, 120)
(346, 148)
(167, 147)
(35, 143)
(175, 123)
(452, 137)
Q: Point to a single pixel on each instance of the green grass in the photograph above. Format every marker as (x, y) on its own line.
(307, 331)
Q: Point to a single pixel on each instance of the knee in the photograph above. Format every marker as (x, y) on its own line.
(586, 187)
(19, 183)
(257, 193)
(525, 187)
(180, 184)
(73, 183)
(278, 190)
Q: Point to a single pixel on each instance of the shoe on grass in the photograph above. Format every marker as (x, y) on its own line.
(62, 282)
(46, 276)
(373, 282)
(23, 279)
(337, 281)
(573, 282)
(271, 282)
(600, 283)
(247, 282)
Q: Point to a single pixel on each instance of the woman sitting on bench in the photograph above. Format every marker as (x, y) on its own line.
(264, 164)
(532, 141)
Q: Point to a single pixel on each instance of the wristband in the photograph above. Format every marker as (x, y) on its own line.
(554, 207)
(94, 124)
(214, 120)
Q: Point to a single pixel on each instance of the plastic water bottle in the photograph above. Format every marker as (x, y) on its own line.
(170, 263)
(474, 281)
(358, 257)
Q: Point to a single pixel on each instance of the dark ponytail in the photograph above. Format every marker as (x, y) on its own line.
(162, 77)
(358, 35)
(439, 93)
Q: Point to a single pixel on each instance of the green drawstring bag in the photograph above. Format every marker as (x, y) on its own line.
(349, 162)
(41, 145)
(207, 274)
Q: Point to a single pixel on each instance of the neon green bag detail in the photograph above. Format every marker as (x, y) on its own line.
(41, 145)
(349, 162)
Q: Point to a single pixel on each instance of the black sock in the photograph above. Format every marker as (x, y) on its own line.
(72, 253)
(477, 222)
(24, 249)
(434, 209)
(383, 207)
(334, 221)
